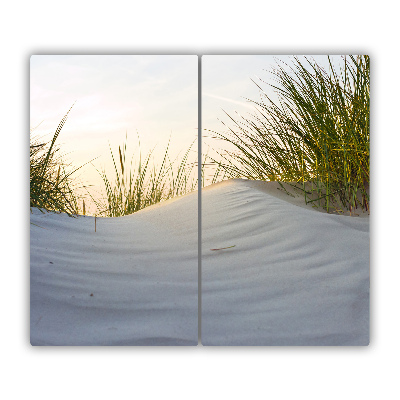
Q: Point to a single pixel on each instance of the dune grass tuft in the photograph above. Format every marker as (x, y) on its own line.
(51, 184)
(316, 136)
(133, 189)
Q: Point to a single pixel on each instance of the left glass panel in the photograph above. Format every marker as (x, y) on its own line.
(113, 200)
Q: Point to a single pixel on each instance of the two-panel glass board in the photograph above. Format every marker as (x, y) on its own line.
(178, 200)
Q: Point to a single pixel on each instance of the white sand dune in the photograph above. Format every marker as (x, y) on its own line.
(296, 276)
(133, 282)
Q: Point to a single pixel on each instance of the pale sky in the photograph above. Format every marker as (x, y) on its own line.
(154, 97)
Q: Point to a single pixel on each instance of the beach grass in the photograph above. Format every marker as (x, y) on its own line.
(137, 185)
(315, 137)
(51, 179)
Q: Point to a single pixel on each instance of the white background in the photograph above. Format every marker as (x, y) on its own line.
(206, 27)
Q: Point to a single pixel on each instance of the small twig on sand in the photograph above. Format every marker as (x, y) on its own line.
(223, 248)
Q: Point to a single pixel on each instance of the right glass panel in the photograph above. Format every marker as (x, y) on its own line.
(285, 202)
